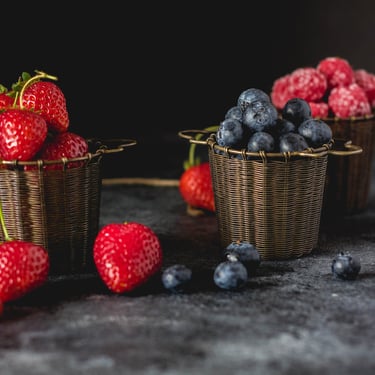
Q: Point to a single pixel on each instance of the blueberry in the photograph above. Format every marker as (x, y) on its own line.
(260, 116)
(316, 132)
(230, 275)
(292, 142)
(296, 110)
(251, 95)
(261, 141)
(244, 252)
(284, 126)
(176, 278)
(345, 266)
(235, 113)
(231, 133)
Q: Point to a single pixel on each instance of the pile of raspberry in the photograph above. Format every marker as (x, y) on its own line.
(333, 89)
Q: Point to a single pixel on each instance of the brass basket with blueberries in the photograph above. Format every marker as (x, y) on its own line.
(56, 204)
(268, 174)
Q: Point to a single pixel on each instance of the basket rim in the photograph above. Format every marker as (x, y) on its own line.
(102, 146)
(347, 119)
(309, 152)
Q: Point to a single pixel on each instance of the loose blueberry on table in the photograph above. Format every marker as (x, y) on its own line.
(244, 252)
(176, 278)
(230, 275)
(345, 266)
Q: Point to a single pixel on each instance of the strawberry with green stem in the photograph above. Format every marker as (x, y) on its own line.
(24, 266)
(195, 184)
(45, 98)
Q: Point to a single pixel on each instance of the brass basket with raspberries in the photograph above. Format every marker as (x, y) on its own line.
(344, 98)
(50, 177)
(268, 171)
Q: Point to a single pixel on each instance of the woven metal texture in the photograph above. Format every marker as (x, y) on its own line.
(58, 209)
(349, 178)
(273, 203)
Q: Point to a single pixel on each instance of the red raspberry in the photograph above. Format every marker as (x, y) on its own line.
(308, 84)
(280, 92)
(319, 109)
(367, 81)
(350, 101)
(337, 71)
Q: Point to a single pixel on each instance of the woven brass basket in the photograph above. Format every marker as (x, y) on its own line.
(58, 209)
(349, 179)
(272, 200)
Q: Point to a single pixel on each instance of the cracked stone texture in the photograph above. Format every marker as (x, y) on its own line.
(292, 317)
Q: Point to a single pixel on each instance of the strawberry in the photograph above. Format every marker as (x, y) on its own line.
(67, 144)
(22, 134)
(6, 101)
(24, 267)
(126, 255)
(195, 184)
(196, 187)
(47, 99)
(6, 98)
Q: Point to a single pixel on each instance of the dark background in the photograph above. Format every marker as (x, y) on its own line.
(146, 71)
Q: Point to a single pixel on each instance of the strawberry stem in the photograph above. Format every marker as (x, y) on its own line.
(3, 226)
(192, 160)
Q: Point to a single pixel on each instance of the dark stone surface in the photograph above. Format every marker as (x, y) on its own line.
(292, 317)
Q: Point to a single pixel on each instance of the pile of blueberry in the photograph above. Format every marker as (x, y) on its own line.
(256, 125)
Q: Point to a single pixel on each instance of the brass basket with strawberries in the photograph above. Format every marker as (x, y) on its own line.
(56, 204)
(272, 200)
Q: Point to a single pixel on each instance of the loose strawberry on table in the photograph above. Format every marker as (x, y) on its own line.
(24, 266)
(126, 255)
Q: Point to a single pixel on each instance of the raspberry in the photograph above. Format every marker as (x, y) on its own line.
(319, 109)
(337, 71)
(367, 81)
(280, 92)
(308, 84)
(350, 101)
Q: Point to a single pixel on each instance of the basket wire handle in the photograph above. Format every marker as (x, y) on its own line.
(191, 135)
(350, 150)
(107, 146)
